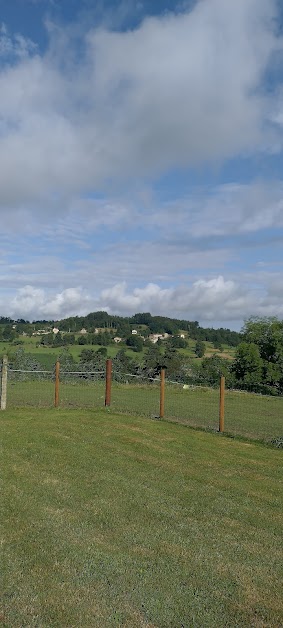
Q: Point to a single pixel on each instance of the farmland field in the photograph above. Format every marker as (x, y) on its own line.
(46, 356)
(111, 520)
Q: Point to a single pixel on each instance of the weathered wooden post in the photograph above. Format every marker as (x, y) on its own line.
(162, 393)
(108, 382)
(4, 378)
(57, 374)
(222, 404)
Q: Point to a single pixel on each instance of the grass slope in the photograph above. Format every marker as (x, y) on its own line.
(111, 520)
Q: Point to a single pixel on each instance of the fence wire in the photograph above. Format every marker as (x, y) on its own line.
(30, 388)
(197, 406)
(135, 394)
(82, 389)
(246, 414)
(253, 415)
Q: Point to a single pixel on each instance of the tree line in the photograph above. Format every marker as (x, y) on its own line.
(144, 322)
(257, 366)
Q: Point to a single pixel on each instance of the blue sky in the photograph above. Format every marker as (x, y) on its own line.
(141, 158)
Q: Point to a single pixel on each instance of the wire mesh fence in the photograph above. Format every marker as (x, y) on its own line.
(78, 389)
(192, 405)
(135, 394)
(82, 389)
(254, 416)
(30, 388)
(246, 414)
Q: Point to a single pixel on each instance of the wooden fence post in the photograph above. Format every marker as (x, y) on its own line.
(108, 382)
(162, 393)
(57, 373)
(4, 377)
(222, 404)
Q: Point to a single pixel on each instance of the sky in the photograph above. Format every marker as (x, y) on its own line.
(141, 158)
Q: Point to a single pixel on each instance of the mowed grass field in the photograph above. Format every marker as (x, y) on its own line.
(246, 414)
(110, 520)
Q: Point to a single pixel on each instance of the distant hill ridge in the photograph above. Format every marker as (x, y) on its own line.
(124, 325)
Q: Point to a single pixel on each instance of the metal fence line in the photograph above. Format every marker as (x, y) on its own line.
(28, 371)
(253, 415)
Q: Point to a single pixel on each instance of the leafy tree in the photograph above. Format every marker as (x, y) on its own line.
(177, 342)
(209, 371)
(87, 355)
(200, 349)
(25, 362)
(67, 361)
(248, 366)
(123, 366)
(153, 361)
(123, 329)
(267, 335)
(135, 343)
(58, 340)
(8, 333)
(83, 340)
(47, 340)
(143, 318)
(22, 360)
(71, 339)
(92, 364)
(217, 345)
(102, 351)
(173, 362)
(103, 339)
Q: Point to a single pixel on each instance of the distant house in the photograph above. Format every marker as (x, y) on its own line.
(43, 332)
(55, 330)
(134, 331)
(182, 336)
(155, 337)
(117, 339)
(83, 331)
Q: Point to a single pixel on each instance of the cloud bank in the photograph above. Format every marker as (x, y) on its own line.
(179, 90)
(209, 301)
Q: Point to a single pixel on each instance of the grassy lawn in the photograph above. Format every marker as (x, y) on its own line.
(111, 520)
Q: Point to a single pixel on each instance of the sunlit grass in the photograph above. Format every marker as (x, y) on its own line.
(110, 520)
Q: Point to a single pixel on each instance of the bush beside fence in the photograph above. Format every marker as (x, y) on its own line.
(238, 413)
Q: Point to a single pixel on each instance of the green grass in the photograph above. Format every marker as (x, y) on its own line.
(110, 520)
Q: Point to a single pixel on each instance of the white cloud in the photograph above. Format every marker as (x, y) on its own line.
(33, 303)
(179, 90)
(209, 300)
(228, 209)
(15, 46)
(215, 300)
